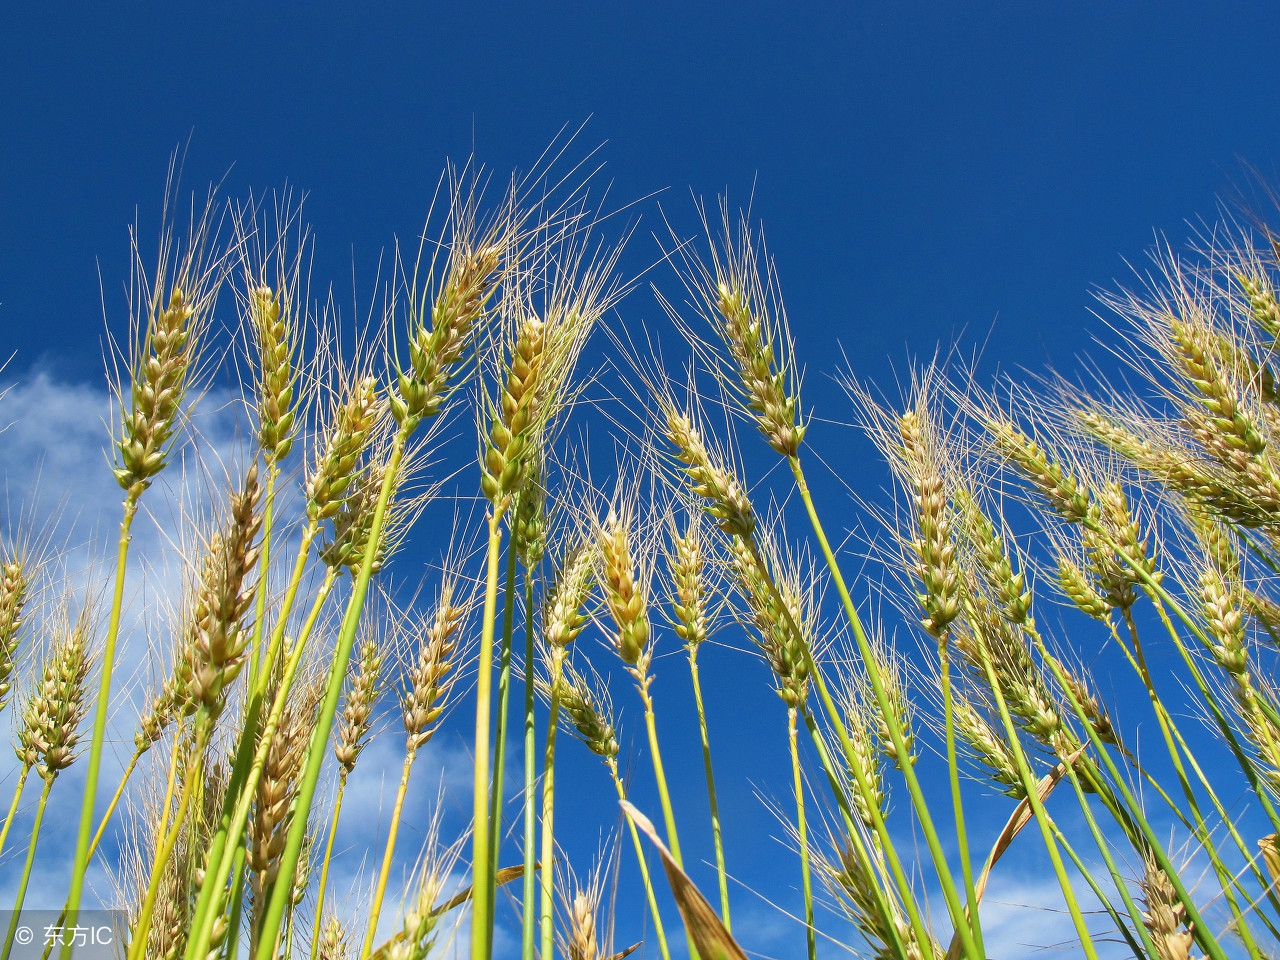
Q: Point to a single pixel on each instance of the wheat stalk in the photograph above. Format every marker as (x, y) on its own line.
(429, 682)
(563, 620)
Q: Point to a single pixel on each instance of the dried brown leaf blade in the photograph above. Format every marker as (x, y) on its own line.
(710, 938)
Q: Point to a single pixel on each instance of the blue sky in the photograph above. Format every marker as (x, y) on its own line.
(926, 172)
(920, 167)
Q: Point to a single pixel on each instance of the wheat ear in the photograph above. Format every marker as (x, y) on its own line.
(14, 583)
(50, 730)
(690, 619)
(171, 313)
(353, 731)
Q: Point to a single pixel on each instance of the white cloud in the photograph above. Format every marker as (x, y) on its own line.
(58, 488)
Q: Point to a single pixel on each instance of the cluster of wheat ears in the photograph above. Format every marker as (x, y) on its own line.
(1151, 510)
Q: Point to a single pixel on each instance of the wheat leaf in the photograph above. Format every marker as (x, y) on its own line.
(711, 940)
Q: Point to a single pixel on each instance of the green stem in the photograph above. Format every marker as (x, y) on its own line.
(967, 929)
(324, 865)
(810, 938)
(528, 931)
(1162, 597)
(721, 875)
(333, 691)
(380, 890)
(239, 856)
(1104, 848)
(880, 891)
(668, 812)
(26, 869)
(855, 765)
(1196, 921)
(643, 864)
(1037, 807)
(194, 776)
(1225, 876)
(504, 714)
(546, 918)
(1200, 829)
(482, 879)
(1229, 823)
(1141, 952)
(1224, 727)
(13, 807)
(115, 800)
(957, 803)
(80, 865)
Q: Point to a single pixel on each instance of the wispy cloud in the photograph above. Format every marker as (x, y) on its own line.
(58, 490)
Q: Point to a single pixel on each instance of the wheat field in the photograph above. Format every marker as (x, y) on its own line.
(938, 679)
